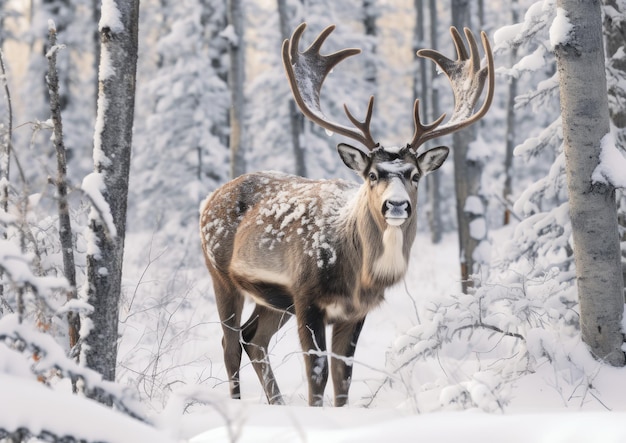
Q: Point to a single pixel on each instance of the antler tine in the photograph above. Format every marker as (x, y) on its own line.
(307, 71)
(363, 126)
(467, 79)
(421, 129)
(461, 51)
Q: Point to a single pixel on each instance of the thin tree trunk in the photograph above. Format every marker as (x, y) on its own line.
(62, 12)
(432, 180)
(427, 94)
(585, 117)
(615, 32)
(65, 226)
(467, 174)
(5, 141)
(112, 149)
(296, 119)
(371, 31)
(510, 129)
(236, 79)
(5, 161)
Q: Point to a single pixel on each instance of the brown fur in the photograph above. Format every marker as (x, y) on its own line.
(309, 248)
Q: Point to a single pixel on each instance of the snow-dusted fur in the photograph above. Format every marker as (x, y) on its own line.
(324, 250)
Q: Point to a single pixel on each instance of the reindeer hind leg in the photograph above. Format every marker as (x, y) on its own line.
(230, 304)
(256, 334)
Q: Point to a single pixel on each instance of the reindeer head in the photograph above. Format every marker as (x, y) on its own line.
(391, 175)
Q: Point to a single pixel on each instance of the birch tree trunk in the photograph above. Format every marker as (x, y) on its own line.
(585, 117)
(236, 79)
(112, 148)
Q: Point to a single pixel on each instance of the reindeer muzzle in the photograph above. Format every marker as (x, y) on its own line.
(396, 212)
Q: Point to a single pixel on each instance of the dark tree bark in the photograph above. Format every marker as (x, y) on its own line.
(112, 149)
(296, 119)
(507, 190)
(467, 174)
(5, 160)
(65, 226)
(371, 31)
(62, 12)
(585, 117)
(236, 79)
(429, 100)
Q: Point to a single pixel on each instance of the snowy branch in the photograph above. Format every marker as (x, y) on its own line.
(52, 357)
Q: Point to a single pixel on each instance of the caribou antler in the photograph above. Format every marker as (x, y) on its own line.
(467, 80)
(307, 71)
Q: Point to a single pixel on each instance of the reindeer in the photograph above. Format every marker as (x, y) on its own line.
(326, 250)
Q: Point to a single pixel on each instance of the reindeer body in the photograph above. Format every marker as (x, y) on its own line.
(324, 250)
(314, 237)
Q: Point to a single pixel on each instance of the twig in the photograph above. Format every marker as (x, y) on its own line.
(490, 327)
(5, 161)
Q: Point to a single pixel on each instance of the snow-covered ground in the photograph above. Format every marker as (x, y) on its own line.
(476, 387)
(548, 401)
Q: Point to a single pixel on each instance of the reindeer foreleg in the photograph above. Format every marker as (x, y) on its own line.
(345, 336)
(311, 329)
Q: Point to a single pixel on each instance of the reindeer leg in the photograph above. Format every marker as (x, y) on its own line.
(256, 334)
(311, 329)
(345, 337)
(229, 306)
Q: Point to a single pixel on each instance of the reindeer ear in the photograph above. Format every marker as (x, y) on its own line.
(432, 159)
(354, 158)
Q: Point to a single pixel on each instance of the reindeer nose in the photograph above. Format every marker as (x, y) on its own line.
(396, 210)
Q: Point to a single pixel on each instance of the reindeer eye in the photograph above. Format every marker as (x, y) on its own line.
(372, 176)
(415, 178)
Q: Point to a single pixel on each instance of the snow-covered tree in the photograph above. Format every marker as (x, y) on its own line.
(576, 35)
(181, 129)
(108, 184)
(468, 169)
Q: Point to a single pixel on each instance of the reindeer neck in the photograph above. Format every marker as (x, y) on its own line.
(382, 251)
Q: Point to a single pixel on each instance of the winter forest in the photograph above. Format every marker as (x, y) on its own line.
(117, 120)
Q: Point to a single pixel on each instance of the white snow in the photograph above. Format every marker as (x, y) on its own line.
(569, 399)
(338, 426)
(105, 72)
(478, 228)
(31, 405)
(474, 205)
(612, 166)
(93, 185)
(529, 63)
(110, 17)
(230, 35)
(561, 29)
(506, 34)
